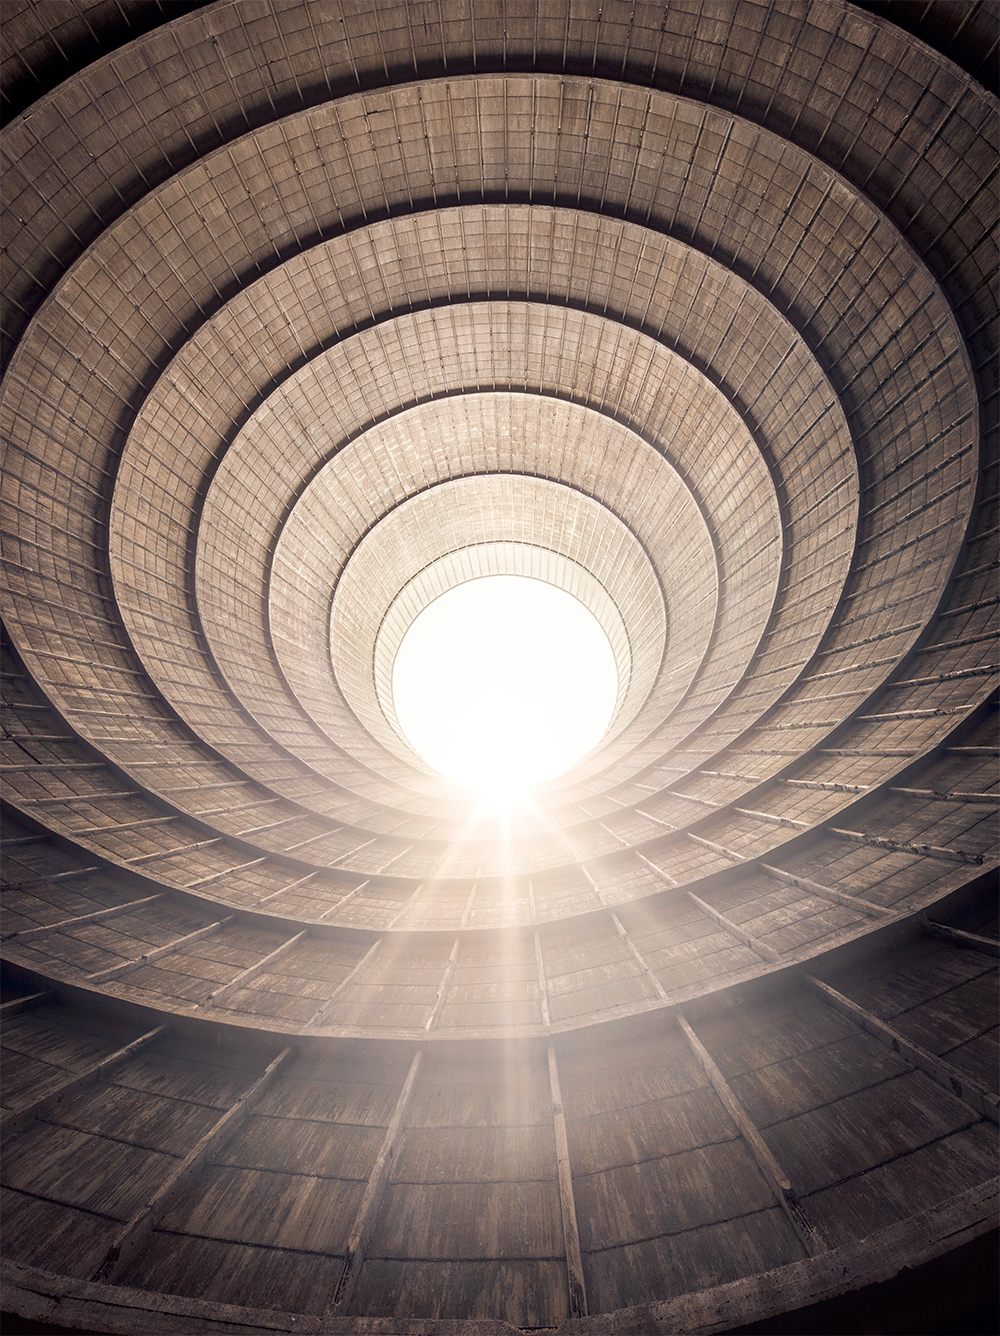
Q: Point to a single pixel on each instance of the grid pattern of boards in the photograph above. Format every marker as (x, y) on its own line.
(726, 804)
(906, 845)
(668, 1194)
(349, 841)
(570, 234)
(583, 961)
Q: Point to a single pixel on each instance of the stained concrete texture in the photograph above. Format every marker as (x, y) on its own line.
(315, 310)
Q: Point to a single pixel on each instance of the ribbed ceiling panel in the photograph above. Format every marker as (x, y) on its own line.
(315, 310)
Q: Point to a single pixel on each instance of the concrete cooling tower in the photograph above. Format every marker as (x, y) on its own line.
(319, 310)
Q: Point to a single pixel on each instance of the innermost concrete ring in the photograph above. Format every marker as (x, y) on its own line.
(499, 524)
(485, 559)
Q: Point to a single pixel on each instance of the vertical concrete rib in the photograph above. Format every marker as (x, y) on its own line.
(567, 1202)
(135, 1231)
(372, 1200)
(984, 1101)
(779, 1183)
(19, 1118)
(127, 966)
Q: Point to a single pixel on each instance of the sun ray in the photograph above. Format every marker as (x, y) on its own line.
(502, 683)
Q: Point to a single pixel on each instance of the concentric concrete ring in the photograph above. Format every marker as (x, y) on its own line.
(461, 530)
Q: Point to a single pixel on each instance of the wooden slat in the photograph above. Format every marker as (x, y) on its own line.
(571, 1232)
(19, 1118)
(135, 1231)
(372, 1200)
(983, 1101)
(779, 1183)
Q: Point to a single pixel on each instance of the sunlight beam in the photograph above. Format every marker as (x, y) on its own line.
(503, 682)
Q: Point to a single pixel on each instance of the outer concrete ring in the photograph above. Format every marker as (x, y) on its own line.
(43, 1295)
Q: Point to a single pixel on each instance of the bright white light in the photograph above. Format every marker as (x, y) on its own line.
(504, 681)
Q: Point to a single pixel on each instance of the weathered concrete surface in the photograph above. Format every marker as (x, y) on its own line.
(123, 1312)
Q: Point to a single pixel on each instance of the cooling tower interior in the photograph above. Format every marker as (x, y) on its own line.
(315, 310)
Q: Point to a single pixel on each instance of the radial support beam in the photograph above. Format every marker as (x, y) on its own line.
(321, 1013)
(952, 795)
(765, 952)
(543, 984)
(98, 914)
(593, 885)
(251, 972)
(664, 876)
(69, 798)
(714, 848)
(18, 1119)
(134, 1233)
(344, 899)
(567, 1202)
(984, 1102)
(385, 866)
(407, 908)
(273, 895)
(443, 986)
(971, 941)
(900, 846)
(53, 877)
(639, 959)
(140, 860)
(226, 872)
(827, 892)
(371, 1203)
(773, 818)
(779, 1183)
(19, 1004)
(127, 966)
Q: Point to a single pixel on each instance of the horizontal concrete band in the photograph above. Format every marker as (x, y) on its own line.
(43, 1296)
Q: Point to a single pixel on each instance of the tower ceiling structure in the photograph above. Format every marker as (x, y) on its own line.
(315, 311)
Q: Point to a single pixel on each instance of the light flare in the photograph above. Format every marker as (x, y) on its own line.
(503, 682)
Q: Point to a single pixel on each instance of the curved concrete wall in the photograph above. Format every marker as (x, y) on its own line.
(697, 301)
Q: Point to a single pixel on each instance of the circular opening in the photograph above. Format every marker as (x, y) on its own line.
(503, 682)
